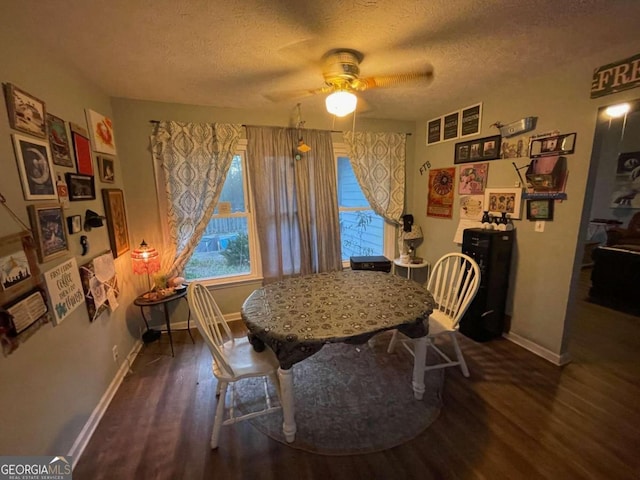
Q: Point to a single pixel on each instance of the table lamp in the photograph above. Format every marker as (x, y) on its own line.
(412, 238)
(145, 259)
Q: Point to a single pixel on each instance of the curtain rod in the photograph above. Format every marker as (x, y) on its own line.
(243, 125)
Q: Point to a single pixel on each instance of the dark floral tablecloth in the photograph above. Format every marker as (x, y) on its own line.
(297, 316)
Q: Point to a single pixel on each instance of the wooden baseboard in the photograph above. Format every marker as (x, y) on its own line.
(537, 349)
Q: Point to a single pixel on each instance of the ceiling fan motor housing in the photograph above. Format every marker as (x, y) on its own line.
(341, 67)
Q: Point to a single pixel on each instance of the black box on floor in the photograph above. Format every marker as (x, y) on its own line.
(376, 263)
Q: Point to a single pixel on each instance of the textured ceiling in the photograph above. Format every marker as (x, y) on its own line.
(232, 53)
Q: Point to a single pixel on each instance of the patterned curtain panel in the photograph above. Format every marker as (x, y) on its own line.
(295, 201)
(378, 160)
(195, 159)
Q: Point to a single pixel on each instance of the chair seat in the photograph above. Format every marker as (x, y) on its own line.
(439, 323)
(245, 361)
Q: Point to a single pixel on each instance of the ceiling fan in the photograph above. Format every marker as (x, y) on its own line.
(341, 72)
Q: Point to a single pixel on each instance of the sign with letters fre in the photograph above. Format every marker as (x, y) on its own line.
(616, 77)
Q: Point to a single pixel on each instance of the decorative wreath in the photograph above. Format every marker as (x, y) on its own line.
(443, 182)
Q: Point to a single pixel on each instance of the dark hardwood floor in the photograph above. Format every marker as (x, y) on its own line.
(517, 416)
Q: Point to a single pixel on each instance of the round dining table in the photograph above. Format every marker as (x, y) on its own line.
(297, 316)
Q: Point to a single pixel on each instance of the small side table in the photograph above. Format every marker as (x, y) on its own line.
(143, 301)
(412, 266)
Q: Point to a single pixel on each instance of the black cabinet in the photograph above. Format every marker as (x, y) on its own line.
(491, 249)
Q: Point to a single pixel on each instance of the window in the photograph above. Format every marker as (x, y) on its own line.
(363, 232)
(228, 249)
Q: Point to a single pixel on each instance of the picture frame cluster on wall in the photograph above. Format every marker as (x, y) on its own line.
(462, 123)
(486, 148)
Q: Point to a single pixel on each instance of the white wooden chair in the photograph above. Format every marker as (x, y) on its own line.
(233, 358)
(453, 283)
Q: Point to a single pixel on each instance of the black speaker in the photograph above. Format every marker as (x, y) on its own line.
(376, 263)
(491, 249)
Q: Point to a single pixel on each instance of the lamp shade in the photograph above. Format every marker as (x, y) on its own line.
(145, 259)
(414, 234)
(341, 103)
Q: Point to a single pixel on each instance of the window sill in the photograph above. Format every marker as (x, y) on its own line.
(220, 283)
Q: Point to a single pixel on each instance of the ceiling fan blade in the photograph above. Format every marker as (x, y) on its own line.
(364, 106)
(384, 81)
(294, 94)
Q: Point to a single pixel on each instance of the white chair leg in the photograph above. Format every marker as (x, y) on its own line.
(276, 382)
(463, 364)
(392, 343)
(217, 422)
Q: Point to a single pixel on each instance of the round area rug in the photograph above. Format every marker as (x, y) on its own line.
(350, 399)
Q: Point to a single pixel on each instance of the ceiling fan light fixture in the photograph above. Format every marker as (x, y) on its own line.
(341, 103)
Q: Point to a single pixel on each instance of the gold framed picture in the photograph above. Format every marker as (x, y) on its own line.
(116, 214)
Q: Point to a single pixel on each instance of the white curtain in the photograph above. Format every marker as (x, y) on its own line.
(295, 201)
(195, 159)
(378, 161)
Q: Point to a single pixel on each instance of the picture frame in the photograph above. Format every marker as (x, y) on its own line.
(470, 120)
(106, 168)
(99, 292)
(35, 167)
(116, 215)
(503, 200)
(59, 141)
(47, 225)
(540, 209)
(480, 149)
(451, 126)
(82, 149)
(434, 131)
(101, 132)
(12, 249)
(553, 145)
(472, 179)
(74, 224)
(80, 187)
(26, 112)
(27, 311)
